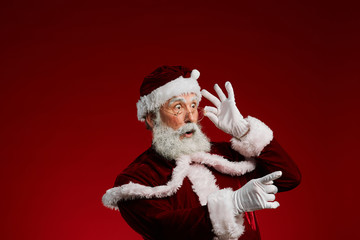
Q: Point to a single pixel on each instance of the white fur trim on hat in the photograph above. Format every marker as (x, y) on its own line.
(258, 137)
(171, 89)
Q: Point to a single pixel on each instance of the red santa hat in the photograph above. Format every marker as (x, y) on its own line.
(163, 84)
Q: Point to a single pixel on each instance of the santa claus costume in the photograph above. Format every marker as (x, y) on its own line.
(190, 197)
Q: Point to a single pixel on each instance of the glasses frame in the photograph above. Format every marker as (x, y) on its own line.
(200, 111)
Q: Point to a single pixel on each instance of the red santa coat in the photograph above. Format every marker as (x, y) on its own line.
(190, 197)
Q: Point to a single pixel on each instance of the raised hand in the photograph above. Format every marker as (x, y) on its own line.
(257, 194)
(225, 115)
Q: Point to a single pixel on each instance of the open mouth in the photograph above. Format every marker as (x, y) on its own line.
(187, 130)
(189, 133)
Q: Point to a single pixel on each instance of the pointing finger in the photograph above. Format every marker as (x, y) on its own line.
(270, 177)
(211, 98)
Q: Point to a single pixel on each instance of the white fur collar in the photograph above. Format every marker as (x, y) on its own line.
(191, 166)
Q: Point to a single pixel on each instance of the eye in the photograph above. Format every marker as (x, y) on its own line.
(177, 107)
(193, 105)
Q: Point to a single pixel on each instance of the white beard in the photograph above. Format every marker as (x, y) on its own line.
(167, 141)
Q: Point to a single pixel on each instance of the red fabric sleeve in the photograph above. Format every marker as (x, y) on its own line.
(274, 158)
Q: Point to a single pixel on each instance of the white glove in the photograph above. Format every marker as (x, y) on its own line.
(257, 194)
(225, 116)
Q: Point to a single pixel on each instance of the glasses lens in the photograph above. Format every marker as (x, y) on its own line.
(178, 113)
(200, 114)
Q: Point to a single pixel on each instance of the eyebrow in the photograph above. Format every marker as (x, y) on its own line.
(181, 99)
(178, 99)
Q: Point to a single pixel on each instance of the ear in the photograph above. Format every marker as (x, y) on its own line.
(149, 120)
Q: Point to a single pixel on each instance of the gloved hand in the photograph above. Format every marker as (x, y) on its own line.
(257, 194)
(225, 116)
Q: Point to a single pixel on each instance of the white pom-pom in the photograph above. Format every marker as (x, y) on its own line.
(195, 74)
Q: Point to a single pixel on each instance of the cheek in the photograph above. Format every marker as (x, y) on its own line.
(175, 123)
(171, 121)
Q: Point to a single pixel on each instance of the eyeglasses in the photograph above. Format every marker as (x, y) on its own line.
(180, 111)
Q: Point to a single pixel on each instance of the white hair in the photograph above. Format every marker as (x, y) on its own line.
(167, 142)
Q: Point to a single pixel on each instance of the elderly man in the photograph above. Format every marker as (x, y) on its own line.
(186, 187)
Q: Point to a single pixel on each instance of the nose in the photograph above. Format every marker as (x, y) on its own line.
(190, 116)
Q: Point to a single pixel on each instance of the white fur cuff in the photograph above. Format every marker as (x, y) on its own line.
(255, 140)
(222, 215)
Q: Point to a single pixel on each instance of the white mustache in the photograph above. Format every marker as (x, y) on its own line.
(188, 127)
(168, 142)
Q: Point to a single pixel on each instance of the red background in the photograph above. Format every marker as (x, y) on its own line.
(70, 78)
